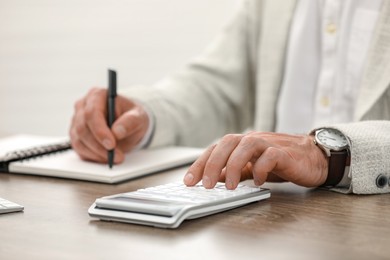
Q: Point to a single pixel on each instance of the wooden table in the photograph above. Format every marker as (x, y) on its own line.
(295, 223)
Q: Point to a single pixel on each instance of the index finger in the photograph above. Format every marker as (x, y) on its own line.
(250, 148)
(195, 172)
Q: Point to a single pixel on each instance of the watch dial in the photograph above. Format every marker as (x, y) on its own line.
(332, 138)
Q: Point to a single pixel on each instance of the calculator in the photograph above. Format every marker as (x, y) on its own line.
(168, 205)
(7, 206)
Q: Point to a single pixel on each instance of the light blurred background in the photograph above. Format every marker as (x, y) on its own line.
(53, 51)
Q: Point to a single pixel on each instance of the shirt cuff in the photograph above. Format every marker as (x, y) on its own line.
(146, 140)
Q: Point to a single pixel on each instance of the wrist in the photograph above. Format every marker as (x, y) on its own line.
(322, 161)
(335, 147)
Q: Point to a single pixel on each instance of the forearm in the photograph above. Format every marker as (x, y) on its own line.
(210, 97)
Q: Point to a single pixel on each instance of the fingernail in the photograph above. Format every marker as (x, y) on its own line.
(206, 182)
(188, 178)
(107, 144)
(229, 184)
(257, 182)
(119, 131)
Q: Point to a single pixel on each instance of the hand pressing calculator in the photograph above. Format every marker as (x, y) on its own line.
(167, 206)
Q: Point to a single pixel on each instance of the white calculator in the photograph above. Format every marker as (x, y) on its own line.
(7, 206)
(168, 205)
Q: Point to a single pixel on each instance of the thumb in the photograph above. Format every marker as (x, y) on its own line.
(128, 123)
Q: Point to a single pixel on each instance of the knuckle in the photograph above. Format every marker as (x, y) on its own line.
(211, 148)
(79, 129)
(79, 104)
(271, 153)
(252, 132)
(72, 132)
(248, 141)
(94, 91)
(230, 138)
(89, 111)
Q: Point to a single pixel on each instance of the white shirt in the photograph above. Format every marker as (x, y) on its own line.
(326, 52)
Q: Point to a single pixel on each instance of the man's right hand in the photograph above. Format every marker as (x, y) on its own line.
(90, 135)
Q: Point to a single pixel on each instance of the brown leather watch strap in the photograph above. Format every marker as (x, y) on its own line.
(338, 160)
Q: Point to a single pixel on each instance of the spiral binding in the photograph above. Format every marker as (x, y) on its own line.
(31, 153)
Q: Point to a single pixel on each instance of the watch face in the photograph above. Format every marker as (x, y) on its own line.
(332, 139)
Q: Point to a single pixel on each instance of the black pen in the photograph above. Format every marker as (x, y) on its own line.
(111, 95)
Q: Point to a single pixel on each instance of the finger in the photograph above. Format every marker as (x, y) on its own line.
(98, 154)
(222, 177)
(274, 160)
(78, 125)
(119, 156)
(79, 132)
(91, 143)
(195, 172)
(95, 111)
(250, 147)
(246, 173)
(85, 153)
(131, 127)
(232, 181)
(218, 159)
(134, 120)
(274, 178)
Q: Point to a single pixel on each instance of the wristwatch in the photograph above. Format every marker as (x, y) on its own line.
(336, 147)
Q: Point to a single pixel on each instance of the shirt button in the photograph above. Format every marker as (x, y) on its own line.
(381, 181)
(331, 28)
(325, 101)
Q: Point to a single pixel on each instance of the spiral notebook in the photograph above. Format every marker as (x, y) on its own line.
(53, 156)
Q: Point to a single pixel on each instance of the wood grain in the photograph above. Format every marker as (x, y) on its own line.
(295, 223)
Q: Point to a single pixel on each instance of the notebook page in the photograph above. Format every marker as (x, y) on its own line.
(67, 164)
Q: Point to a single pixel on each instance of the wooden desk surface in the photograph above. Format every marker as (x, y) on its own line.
(295, 223)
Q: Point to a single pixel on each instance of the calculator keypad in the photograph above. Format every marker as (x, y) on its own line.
(178, 192)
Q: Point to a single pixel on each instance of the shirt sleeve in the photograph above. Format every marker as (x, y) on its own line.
(146, 140)
(370, 157)
(213, 94)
